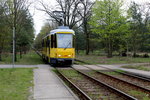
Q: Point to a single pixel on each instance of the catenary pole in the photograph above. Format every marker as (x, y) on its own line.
(13, 47)
(14, 22)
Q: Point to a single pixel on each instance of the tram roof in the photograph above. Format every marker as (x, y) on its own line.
(61, 29)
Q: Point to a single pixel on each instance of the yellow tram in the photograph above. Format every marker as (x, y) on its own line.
(58, 46)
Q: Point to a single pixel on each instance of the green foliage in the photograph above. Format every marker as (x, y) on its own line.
(135, 25)
(15, 83)
(111, 29)
(109, 23)
(138, 18)
(4, 32)
(24, 27)
(25, 32)
(80, 41)
(44, 31)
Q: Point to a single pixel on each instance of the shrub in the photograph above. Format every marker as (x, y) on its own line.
(145, 55)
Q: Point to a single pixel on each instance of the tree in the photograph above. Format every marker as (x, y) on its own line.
(85, 12)
(25, 32)
(22, 23)
(80, 42)
(145, 29)
(4, 30)
(44, 31)
(14, 10)
(107, 21)
(65, 13)
(137, 27)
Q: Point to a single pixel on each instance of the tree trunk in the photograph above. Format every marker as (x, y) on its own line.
(25, 50)
(109, 54)
(87, 44)
(134, 48)
(0, 55)
(15, 53)
(14, 25)
(20, 52)
(127, 49)
(87, 38)
(1, 48)
(77, 49)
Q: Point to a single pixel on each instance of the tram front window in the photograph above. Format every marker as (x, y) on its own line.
(64, 40)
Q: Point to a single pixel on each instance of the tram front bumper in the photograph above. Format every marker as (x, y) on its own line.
(65, 61)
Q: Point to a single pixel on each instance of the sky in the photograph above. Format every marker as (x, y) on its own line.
(40, 17)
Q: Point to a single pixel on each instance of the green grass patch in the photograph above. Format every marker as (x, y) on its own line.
(110, 73)
(93, 59)
(141, 95)
(139, 67)
(6, 58)
(90, 72)
(30, 58)
(70, 73)
(15, 83)
(121, 71)
(55, 71)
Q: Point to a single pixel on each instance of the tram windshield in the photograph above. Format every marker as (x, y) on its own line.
(64, 40)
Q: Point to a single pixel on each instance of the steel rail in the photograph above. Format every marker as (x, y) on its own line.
(78, 91)
(125, 73)
(121, 80)
(145, 78)
(129, 74)
(117, 91)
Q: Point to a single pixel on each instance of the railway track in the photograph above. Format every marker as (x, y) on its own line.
(146, 78)
(121, 84)
(77, 90)
(89, 88)
(130, 74)
(141, 82)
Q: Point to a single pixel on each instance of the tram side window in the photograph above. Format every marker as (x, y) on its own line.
(55, 44)
(74, 41)
(47, 42)
(42, 43)
(53, 41)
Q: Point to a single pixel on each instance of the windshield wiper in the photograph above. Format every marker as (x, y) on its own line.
(67, 45)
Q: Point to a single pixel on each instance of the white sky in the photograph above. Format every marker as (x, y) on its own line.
(40, 17)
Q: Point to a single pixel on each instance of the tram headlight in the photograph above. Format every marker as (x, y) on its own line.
(69, 55)
(59, 55)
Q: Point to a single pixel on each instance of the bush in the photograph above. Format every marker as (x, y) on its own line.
(124, 54)
(136, 55)
(145, 55)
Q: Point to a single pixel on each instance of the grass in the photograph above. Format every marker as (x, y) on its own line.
(137, 93)
(111, 73)
(31, 58)
(70, 73)
(93, 59)
(15, 83)
(139, 67)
